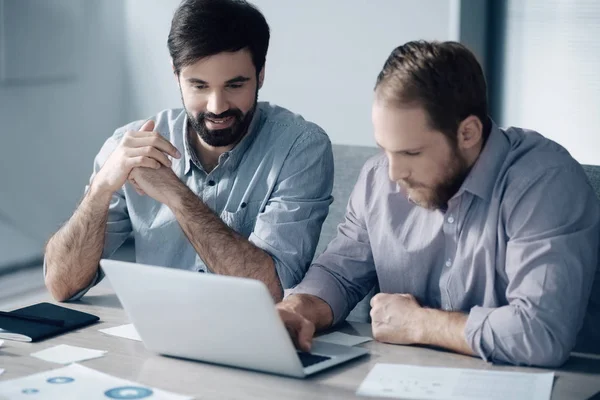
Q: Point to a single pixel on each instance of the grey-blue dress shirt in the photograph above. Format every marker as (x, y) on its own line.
(516, 249)
(274, 188)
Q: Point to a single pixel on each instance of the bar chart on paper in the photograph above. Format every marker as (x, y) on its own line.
(431, 383)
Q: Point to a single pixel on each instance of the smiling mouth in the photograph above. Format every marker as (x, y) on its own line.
(220, 121)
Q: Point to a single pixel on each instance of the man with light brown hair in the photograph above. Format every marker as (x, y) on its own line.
(483, 240)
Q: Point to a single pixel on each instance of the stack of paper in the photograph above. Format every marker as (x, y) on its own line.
(430, 383)
(343, 339)
(65, 354)
(125, 331)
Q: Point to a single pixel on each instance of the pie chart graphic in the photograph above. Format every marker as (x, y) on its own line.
(128, 392)
(60, 380)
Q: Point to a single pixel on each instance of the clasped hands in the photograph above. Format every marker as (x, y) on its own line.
(142, 158)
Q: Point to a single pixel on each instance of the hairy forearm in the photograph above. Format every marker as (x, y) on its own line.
(444, 329)
(73, 253)
(222, 249)
(310, 307)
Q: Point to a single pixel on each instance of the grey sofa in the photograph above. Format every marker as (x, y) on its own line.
(348, 163)
(589, 337)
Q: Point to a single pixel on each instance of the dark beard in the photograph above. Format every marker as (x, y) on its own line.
(222, 137)
(444, 192)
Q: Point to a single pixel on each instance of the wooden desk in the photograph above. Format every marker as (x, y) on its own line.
(579, 378)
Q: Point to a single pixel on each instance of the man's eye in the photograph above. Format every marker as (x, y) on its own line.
(234, 85)
(412, 153)
(200, 87)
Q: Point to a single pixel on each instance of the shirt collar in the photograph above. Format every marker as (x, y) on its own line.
(234, 155)
(237, 153)
(482, 178)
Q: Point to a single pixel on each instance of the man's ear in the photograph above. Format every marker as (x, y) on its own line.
(470, 132)
(261, 77)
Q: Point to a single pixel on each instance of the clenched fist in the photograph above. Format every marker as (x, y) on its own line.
(396, 318)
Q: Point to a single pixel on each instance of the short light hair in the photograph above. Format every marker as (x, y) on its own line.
(444, 78)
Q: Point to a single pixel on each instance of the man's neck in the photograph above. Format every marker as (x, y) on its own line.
(207, 155)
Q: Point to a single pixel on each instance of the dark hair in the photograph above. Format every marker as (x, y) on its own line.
(202, 28)
(442, 77)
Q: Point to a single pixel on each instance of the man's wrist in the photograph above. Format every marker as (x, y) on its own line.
(443, 329)
(427, 321)
(293, 303)
(310, 307)
(98, 193)
(177, 196)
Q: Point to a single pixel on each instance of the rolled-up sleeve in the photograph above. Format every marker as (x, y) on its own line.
(345, 272)
(289, 227)
(552, 225)
(118, 226)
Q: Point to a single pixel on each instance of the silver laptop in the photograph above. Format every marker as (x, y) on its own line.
(214, 318)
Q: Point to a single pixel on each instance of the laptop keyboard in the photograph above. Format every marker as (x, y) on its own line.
(308, 359)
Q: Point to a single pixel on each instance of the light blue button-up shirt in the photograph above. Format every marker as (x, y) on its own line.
(273, 188)
(516, 249)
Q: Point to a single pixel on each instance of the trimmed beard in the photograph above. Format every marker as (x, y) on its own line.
(222, 137)
(443, 192)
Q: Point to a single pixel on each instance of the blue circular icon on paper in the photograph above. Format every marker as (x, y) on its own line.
(60, 379)
(29, 391)
(128, 392)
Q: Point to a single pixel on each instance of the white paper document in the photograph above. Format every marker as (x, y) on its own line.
(125, 331)
(65, 354)
(431, 383)
(77, 382)
(343, 338)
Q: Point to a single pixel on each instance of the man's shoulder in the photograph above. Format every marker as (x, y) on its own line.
(377, 162)
(375, 170)
(533, 157)
(168, 122)
(532, 153)
(374, 176)
(281, 124)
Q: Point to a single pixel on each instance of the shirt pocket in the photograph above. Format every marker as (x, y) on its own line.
(243, 219)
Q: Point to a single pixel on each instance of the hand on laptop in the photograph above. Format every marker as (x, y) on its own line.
(300, 329)
(144, 148)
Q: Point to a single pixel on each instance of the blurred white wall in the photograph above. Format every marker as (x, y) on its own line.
(551, 72)
(323, 59)
(51, 130)
(16, 247)
(148, 66)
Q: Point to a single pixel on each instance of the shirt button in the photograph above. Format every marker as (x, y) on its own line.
(448, 263)
(451, 219)
(211, 183)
